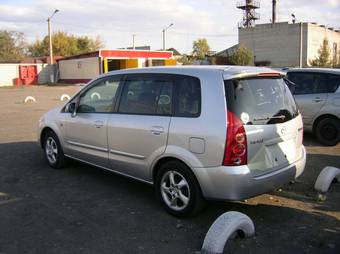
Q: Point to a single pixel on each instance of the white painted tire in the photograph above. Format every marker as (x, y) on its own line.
(95, 94)
(65, 96)
(325, 178)
(223, 228)
(29, 98)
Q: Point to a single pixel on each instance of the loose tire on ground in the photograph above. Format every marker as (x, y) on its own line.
(183, 188)
(53, 151)
(327, 131)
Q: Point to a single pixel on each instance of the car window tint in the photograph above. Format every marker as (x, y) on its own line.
(321, 84)
(146, 95)
(100, 97)
(304, 82)
(164, 104)
(260, 101)
(188, 102)
(312, 82)
(333, 83)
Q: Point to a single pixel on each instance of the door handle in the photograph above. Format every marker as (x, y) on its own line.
(98, 124)
(157, 130)
(317, 99)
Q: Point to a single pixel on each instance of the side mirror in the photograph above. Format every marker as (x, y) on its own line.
(71, 108)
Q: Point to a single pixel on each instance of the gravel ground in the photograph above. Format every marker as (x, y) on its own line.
(82, 209)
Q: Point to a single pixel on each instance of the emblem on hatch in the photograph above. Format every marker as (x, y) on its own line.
(283, 130)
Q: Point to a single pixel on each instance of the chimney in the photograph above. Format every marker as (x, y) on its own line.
(274, 12)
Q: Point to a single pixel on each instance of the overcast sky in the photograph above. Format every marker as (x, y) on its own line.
(116, 20)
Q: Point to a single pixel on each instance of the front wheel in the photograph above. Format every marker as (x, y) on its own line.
(53, 152)
(178, 190)
(328, 131)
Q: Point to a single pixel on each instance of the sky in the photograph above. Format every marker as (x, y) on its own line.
(115, 21)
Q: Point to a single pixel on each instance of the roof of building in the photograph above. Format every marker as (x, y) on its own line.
(174, 51)
(123, 53)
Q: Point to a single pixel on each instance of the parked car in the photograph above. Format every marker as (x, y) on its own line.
(195, 133)
(317, 93)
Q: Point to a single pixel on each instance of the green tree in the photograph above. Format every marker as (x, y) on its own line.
(324, 56)
(65, 45)
(200, 48)
(12, 46)
(185, 60)
(242, 56)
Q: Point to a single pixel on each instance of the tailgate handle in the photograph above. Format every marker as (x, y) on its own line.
(157, 130)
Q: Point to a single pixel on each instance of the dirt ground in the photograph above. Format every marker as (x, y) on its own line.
(82, 209)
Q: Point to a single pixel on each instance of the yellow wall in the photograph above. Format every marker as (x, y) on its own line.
(131, 63)
(168, 62)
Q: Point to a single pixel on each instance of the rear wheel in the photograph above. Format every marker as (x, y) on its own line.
(178, 190)
(327, 131)
(53, 152)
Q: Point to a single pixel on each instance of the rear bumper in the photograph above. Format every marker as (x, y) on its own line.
(237, 183)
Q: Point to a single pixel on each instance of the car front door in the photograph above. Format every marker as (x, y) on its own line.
(138, 131)
(308, 93)
(86, 131)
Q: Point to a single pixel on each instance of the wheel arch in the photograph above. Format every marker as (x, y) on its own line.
(43, 132)
(166, 159)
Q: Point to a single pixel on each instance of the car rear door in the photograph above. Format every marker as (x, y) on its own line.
(138, 130)
(86, 132)
(310, 93)
(269, 115)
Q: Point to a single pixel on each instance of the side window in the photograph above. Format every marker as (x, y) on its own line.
(333, 82)
(305, 82)
(188, 103)
(321, 85)
(147, 95)
(99, 98)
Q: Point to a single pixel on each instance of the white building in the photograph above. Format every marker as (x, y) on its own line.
(288, 45)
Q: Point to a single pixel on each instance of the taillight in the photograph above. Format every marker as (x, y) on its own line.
(235, 152)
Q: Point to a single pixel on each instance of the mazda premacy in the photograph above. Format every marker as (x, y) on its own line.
(196, 133)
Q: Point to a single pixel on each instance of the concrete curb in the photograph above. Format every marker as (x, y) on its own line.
(29, 98)
(65, 96)
(223, 228)
(324, 180)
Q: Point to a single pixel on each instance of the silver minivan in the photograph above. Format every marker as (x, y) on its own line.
(196, 133)
(317, 94)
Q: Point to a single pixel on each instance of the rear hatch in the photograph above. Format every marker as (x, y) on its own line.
(271, 121)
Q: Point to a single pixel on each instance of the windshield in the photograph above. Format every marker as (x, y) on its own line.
(259, 101)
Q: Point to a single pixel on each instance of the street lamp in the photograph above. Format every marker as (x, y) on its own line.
(50, 37)
(164, 30)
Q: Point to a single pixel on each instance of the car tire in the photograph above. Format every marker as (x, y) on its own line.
(327, 131)
(178, 190)
(53, 151)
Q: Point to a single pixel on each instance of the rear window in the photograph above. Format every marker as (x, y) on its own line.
(259, 101)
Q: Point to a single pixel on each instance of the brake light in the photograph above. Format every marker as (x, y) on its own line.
(269, 74)
(235, 151)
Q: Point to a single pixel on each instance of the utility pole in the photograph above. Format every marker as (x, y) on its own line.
(164, 30)
(274, 12)
(133, 41)
(50, 38)
(50, 44)
(301, 45)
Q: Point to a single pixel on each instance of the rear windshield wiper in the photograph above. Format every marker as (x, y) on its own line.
(270, 117)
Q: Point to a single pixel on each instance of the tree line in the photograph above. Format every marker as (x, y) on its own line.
(14, 47)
